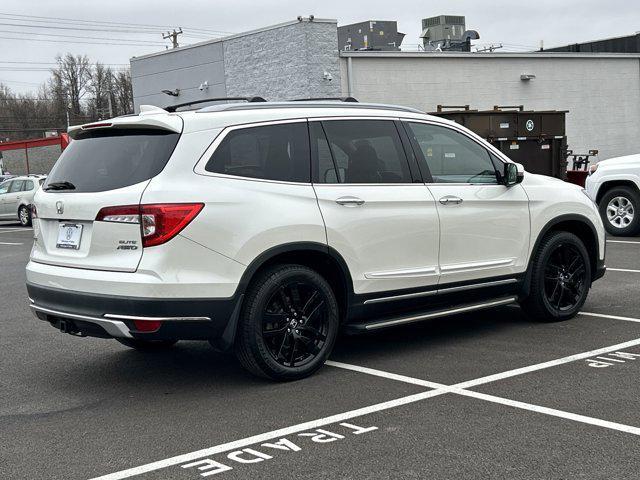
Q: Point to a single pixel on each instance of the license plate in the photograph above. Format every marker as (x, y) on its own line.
(69, 235)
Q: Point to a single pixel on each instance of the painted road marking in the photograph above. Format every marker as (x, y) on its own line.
(612, 317)
(10, 243)
(16, 230)
(622, 270)
(438, 389)
(264, 437)
(620, 357)
(623, 241)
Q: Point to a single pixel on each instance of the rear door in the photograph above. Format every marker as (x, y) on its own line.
(101, 168)
(383, 224)
(484, 225)
(4, 189)
(12, 198)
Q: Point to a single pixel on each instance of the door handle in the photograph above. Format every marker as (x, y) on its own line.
(450, 200)
(350, 201)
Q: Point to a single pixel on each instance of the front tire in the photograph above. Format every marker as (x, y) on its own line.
(24, 215)
(560, 278)
(620, 211)
(288, 325)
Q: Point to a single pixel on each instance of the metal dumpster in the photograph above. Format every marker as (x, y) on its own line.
(536, 139)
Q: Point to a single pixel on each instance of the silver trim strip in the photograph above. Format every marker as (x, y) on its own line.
(157, 319)
(478, 285)
(467, 267)
(399, 297)
(409, 272)
(441, 313)
(442, 290)
(114, 328)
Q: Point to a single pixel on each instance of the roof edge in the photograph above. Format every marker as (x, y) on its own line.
(235, 35)
(387, 53)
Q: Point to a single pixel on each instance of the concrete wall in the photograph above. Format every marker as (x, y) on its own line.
(278, 62)
(602, 92)
(41, 160)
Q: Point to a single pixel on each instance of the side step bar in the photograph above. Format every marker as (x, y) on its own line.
(360, 327)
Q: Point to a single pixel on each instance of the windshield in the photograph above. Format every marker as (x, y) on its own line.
(103, 160)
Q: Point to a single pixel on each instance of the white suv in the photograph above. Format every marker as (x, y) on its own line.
(266, 227)
(614, 185)
(16, 197)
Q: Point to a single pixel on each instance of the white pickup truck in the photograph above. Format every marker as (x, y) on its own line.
(614, 185)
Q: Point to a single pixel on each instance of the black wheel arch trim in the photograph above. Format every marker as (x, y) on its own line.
(597, 265)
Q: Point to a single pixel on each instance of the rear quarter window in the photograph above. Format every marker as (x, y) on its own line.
(102, 160)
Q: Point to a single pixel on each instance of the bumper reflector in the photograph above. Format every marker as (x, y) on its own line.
(147, 326)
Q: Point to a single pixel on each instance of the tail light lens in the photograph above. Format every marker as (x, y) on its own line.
(147, 326)
(159, 223)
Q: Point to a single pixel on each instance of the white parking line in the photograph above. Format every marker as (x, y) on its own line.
(238, 444)
(17, 230)
(10, 243)
(438, 389)
(622, 270)
(612, 317)
(623, 241)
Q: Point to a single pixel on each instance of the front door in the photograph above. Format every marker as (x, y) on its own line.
(484, 225)
(380, 221)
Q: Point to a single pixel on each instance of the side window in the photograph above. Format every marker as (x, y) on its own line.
(28, 186)
(16, 186)
(4, 187)
(452, 157)
(367, 151)
(271, 152)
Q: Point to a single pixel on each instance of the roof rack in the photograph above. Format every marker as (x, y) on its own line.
(301, 104)
(337, 99)
(173, 108)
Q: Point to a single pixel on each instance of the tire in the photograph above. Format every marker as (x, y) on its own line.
(284, 335)
(24, 215)
(147, 345)
(560, 278)
(620, 211)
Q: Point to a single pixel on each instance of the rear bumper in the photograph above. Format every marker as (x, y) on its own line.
(106, 316)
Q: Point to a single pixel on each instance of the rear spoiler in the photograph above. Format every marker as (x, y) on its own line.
(171, 123)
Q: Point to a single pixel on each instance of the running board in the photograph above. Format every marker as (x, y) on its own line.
(392, 322)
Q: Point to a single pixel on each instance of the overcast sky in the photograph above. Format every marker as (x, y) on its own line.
(518, 24)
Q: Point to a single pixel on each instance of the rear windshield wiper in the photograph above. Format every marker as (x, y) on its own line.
(60, 186)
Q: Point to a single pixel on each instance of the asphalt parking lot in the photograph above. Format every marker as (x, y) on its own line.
(483, 395)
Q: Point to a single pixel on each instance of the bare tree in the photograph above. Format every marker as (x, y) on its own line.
(72, 77)
(101, 87)
(123, 92)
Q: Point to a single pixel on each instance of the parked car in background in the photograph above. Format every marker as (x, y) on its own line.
(5, 177)
(614, 185)
(16, 197)
(267, 227)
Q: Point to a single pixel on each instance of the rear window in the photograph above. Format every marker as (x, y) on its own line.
(102, 160)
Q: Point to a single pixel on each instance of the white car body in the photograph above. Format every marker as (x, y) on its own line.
(614, 185)
(619, 169)
(403, 241)
(17, 194)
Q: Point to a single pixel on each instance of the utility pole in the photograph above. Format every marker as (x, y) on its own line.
(110, 105)
(173, 36)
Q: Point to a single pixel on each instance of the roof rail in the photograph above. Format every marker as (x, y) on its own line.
(337, 99)
(301, 104)
(173, 108)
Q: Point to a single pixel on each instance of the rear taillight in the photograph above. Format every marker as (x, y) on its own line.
(159, 223)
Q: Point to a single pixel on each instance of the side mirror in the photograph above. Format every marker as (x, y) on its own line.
(513, 174)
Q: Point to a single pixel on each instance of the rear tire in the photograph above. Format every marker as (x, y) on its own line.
(560, 278)
(620, 211)
(147, 345)
(24, 215)
(288, 325)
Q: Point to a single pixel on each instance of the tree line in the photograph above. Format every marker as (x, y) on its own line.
(82, 90)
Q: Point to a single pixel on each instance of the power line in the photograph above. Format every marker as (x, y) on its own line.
(74, 41)
(56, 63)
(149, 42)
(102, 22)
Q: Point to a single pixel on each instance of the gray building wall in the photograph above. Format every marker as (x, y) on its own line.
(280, 62)
(601, 92)
(41, 159)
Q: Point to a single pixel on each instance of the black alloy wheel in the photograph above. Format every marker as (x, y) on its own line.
(560, 273)
(295, 324)
(565, 277)
(289, 323)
